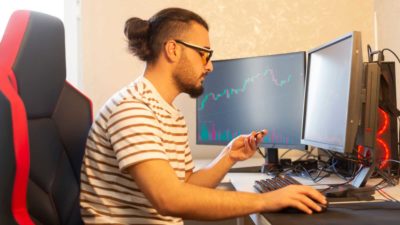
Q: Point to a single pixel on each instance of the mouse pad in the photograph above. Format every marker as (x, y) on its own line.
(363, 213)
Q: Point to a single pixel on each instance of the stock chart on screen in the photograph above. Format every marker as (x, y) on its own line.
(241, 95)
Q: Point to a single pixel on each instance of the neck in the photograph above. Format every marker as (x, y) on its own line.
(162, 80)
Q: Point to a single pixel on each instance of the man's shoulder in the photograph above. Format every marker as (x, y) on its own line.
(125, 99)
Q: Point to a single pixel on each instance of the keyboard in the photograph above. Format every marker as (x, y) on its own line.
(272, 184)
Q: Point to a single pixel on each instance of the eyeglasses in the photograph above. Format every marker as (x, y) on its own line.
(205, 53)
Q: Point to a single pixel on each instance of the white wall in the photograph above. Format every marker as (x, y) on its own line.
(68, 11)
(72, 42)
(388, 32)
(238, 29)
(7, 7)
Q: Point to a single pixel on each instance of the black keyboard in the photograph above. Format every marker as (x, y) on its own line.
(273, 184)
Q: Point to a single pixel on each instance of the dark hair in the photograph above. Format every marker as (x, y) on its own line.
(147, 37)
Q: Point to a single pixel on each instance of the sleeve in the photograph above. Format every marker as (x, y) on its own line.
(189, 165)
(135, 134)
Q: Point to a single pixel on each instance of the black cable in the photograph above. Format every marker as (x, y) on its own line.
(320, 177)
(308, 153)
(387, 196)
(287, 151)
(369, 50)
(388, 175)
(387, 49)
(350, 180)
(372, 53)
(357, 164)
(300, 170)
(260, 152)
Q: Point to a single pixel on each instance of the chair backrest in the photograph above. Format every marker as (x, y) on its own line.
(57, 117)
(7, 158)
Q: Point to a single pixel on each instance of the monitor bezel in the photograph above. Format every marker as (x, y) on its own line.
(264, 145)
(354, 102)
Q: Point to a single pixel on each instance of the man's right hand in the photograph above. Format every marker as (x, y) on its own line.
(302, 197)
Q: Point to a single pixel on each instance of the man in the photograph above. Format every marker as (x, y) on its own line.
(138, 167)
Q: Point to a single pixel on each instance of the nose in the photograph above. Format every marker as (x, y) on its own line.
(209, 66)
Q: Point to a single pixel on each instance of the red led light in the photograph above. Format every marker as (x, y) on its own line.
(384, 146)
(386, 153)
(360, 151)
(385, 122)
(381, 144)
(363, 153)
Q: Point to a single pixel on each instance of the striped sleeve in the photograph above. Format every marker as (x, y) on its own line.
(189, 165)
(134, 134)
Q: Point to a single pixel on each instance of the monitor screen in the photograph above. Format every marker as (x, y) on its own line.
(246, 94)
(332, 108)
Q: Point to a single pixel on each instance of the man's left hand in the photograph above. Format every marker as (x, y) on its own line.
(244, 146)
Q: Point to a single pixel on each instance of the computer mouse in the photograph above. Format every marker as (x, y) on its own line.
(324, 207)
(296, 210)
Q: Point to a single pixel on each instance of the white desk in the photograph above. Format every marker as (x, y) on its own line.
(244, 182)
(201, 163)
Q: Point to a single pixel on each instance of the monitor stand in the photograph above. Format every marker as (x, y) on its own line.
(271, 165)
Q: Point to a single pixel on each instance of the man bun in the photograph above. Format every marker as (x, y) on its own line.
(147, 38)
(137, 32)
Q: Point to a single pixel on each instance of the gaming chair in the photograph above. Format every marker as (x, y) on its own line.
(44, 122)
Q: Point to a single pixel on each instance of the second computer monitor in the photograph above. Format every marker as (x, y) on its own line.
(332, 109)
(246, 94)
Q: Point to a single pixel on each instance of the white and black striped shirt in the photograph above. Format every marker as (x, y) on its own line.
(135, 124)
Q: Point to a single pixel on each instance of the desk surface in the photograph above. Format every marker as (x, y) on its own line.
(200, 163)
(244, 182)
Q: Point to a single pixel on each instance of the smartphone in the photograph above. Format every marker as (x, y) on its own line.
(259, 132)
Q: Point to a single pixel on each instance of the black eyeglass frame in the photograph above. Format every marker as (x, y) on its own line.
(199, 49)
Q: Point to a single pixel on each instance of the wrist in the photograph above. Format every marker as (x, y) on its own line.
(227, 156)
(261, 203)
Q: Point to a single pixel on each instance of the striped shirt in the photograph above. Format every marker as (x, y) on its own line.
(134, 125)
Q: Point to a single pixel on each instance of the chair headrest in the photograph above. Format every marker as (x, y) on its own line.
(39, 62)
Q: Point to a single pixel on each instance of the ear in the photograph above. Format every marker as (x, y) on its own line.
(172, 51)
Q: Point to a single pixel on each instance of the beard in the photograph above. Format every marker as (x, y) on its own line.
(186, 79)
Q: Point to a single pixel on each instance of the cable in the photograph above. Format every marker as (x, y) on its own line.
(287, 151)
(386, 195)
(372, 53)
(308, 153)
(387, 49)
(369, 50)
(260, 152)
(391, 160)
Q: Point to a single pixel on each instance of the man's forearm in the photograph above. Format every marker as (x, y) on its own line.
(210, 204)
(211, 175)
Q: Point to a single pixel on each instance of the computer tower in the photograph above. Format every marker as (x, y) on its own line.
(387, 134)
(378, 136)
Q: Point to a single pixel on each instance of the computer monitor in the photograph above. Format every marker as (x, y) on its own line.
(254, 93)
(332, 105)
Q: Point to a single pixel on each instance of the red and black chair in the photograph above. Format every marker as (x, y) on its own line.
(44, 123)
